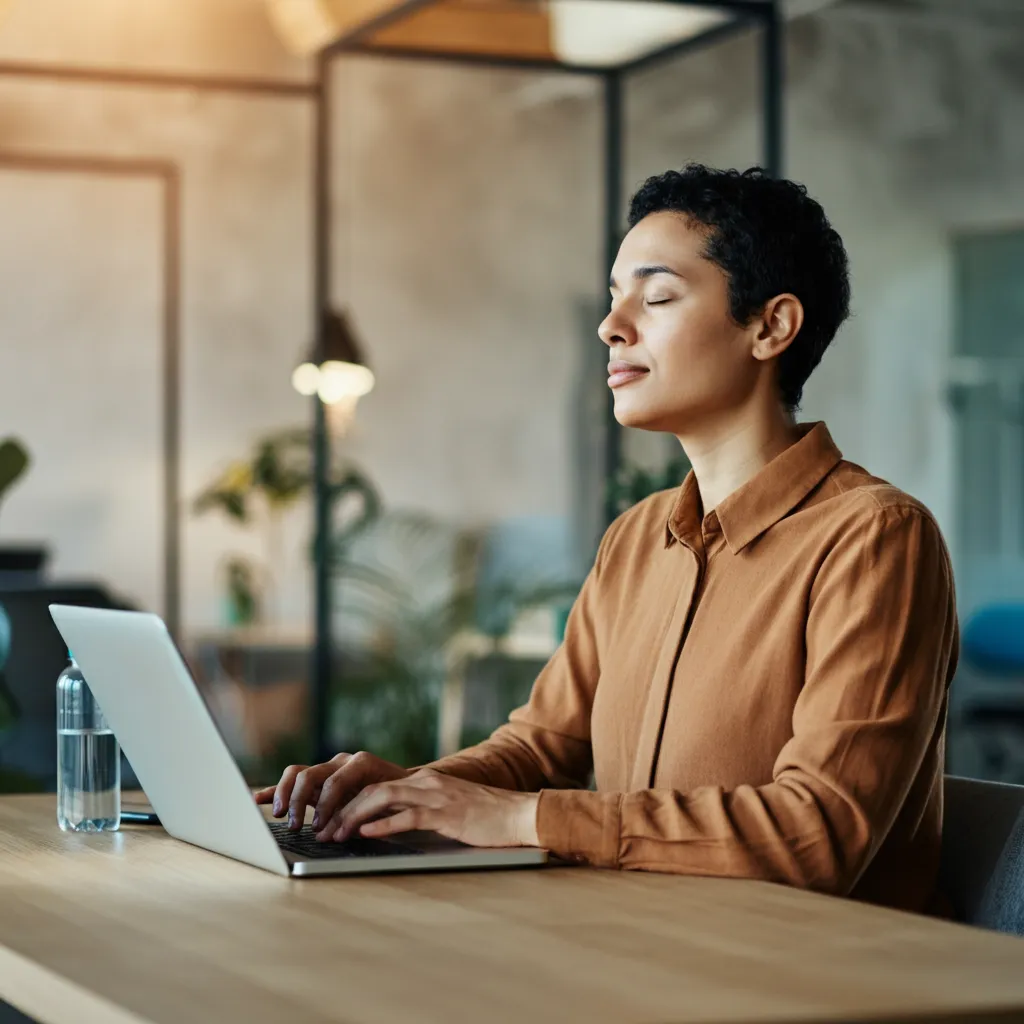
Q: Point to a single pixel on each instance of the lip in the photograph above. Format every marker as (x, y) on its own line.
(621, 373)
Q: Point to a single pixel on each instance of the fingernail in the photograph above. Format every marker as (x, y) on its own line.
(277, 807)
(293, 819)
(316, 819)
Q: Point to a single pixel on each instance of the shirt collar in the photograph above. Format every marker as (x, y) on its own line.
(764, 499)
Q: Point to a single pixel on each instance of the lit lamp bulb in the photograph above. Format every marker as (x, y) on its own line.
(340, 387)
(336, 372)
(339, 381)
(306, 379)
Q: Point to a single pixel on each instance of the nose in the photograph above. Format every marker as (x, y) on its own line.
(616, 329)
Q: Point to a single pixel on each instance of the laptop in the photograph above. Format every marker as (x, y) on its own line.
(154, 707)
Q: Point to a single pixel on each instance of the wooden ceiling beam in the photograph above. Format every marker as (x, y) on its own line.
(485, 27)
(306, 26)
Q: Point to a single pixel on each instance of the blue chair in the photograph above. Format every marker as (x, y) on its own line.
(982, 867)
(993, 640)
(991, 707)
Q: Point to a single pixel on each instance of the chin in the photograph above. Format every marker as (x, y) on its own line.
(643, 416)
(639, 419)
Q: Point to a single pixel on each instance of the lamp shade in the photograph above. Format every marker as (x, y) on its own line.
(336, 369)
(337, 340)
(606, 33)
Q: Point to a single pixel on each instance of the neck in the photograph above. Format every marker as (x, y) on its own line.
(727, 453)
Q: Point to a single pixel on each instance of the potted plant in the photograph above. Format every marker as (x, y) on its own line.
(411, 590)
(260, 489)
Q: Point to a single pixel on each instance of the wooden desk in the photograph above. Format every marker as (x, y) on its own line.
(137, 927)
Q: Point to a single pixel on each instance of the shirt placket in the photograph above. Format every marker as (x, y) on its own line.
(700, 549)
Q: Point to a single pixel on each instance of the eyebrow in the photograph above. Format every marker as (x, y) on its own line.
(647, 270)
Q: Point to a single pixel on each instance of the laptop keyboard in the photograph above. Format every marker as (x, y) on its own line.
(303, 843)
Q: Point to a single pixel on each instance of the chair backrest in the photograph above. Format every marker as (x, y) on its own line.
(982, 870)
(35, 657)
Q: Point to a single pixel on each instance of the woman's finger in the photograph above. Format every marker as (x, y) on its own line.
(305, 791)
(283, 790)
(374, 801)
(342, 785)
(409, 820)
(329, 828)
(265, 795)
(355, 782)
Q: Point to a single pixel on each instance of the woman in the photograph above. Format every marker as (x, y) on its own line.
(757, 666)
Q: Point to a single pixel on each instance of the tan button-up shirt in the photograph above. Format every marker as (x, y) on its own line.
(760, 692)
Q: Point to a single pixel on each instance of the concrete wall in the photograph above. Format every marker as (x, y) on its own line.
(467, 215)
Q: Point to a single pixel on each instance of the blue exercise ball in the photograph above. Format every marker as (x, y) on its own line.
(5, 637)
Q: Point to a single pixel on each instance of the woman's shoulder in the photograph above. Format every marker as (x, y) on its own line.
(855, 494)
(859, 512)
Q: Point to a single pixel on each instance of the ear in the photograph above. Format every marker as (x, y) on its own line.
(779, 323)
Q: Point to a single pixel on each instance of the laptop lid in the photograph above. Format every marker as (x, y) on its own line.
(151, 701)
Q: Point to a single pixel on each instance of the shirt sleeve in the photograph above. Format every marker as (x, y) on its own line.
(881, 645)
(547, 741)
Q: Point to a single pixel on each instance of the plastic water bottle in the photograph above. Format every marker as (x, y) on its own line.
(88, 759)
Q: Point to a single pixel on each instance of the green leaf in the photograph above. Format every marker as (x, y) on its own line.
(14, 461)
(229, 493)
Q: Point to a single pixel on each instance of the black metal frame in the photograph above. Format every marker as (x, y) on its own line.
(322, 647)
(763, 14)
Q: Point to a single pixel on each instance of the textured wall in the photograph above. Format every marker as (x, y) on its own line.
(80, 345)
(468, 220)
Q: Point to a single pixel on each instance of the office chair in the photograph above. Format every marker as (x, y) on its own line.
(982, 866)
(36, 655)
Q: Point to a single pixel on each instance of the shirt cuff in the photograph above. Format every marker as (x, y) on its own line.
(580, 825)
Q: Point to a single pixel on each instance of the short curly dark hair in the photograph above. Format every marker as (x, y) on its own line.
(769, 237)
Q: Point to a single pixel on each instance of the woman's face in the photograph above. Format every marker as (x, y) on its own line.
(676, 357)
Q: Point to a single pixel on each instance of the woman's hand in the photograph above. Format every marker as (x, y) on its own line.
(327, 787)
(473, 814)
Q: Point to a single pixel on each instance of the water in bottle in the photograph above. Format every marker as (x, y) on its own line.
(88, 759)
